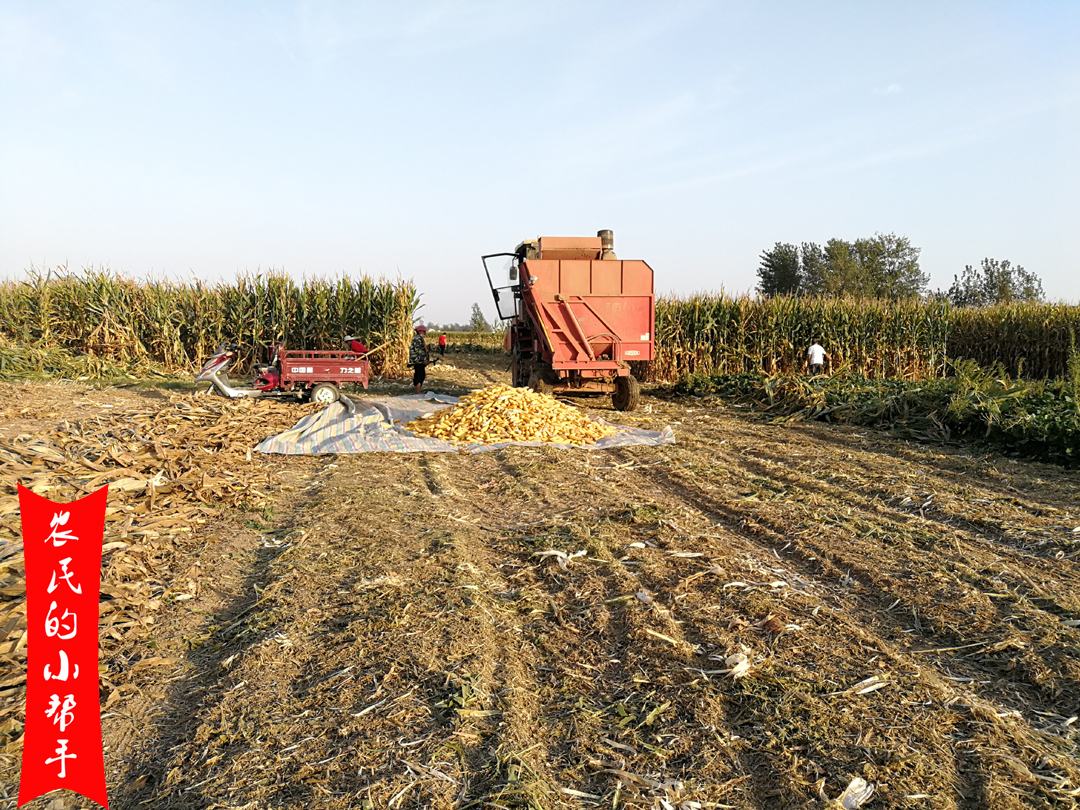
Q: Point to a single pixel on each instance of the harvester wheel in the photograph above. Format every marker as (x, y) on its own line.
(627, 393)
(517, 375)
(325, 393)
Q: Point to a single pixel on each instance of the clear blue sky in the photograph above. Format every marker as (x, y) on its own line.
(202, 139)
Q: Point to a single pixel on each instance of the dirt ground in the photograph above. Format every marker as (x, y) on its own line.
(749, 618)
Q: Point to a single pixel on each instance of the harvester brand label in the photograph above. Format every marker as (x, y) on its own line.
(350, 370)
(301, 370)
(631, 352)
(62, 546)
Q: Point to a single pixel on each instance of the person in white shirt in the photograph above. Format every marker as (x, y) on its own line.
(816, 357)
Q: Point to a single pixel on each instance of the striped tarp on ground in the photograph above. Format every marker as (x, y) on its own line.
(374, 426)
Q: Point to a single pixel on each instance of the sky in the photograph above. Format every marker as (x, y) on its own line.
(404, 139)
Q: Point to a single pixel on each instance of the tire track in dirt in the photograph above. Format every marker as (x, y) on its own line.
(413, 649)
(502, 756)
(468, 633)
(163, 717)
(774, 539)
(290, 734)
(947, 504)
(559, 620)
(846, 564)
(636, 580)
(761, 765)
(1009, 528)
(869, 563)
(978, 563)
(975, 551)
(1008, 479)
(551, 628)
(628, 646)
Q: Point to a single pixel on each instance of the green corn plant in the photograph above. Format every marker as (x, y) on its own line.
(97, 313)
(711, 333)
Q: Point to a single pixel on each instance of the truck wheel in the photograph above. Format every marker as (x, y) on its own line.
(325, 393)
(627, 393)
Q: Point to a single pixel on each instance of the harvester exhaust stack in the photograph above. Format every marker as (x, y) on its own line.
(607, 244)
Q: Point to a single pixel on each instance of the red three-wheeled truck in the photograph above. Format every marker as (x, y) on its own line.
(316, 376)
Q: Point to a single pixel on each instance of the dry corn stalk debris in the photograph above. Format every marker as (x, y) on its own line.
(505, 414)
(167, 466)
(27, 362)
(855, 795)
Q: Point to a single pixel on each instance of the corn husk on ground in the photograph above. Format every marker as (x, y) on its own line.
(36, 362)
(170, 469)
(505, 414)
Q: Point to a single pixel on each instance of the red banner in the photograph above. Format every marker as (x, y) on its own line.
(62, 746)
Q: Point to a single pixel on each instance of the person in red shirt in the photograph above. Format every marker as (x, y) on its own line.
(355, 345)
(442, 345)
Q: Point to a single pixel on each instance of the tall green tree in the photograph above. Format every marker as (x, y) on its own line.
(882, 266)
(779, 272)
(890, 267)
(843, 271)
(477, 321)
(994, 283)
(813, 268)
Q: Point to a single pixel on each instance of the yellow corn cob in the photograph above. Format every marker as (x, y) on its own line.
(502, 413)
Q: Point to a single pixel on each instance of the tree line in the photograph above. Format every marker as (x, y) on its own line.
(885, 266)
(477, 323)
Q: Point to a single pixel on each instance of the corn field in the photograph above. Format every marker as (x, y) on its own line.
(481, 342)
(100, 314)
(167, 325)
(1028, 340)
(720, 334)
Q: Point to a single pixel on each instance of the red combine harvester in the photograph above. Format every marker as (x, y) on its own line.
(577, 315)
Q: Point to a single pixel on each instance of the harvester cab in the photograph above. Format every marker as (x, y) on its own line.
(578, 315)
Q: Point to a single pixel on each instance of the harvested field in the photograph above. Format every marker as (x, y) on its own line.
(535, 628)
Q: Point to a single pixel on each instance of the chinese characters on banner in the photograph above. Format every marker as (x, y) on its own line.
(62, 746)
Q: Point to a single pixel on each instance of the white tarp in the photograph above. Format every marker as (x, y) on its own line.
(373, 425)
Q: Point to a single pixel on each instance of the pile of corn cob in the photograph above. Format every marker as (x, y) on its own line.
(505, 414)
